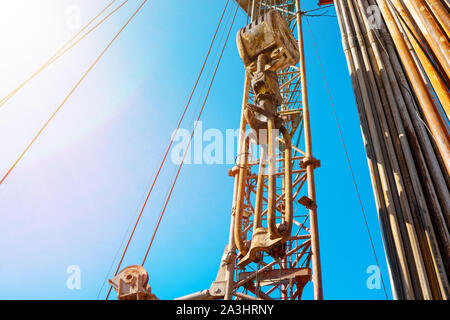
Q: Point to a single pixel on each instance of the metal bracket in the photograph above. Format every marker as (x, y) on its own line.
(310, 161)
(132, 284)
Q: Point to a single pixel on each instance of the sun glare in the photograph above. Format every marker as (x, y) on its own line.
(32, 31)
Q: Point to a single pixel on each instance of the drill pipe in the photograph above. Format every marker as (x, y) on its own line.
(411, 191)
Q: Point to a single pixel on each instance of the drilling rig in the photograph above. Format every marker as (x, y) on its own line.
(273, 249)
(397, 53)
(398, 57)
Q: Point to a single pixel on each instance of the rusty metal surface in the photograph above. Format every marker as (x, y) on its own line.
(280, 275)
(261, 5)
(269, 34)
(325, 2)
(266, 46)
(271, 238)
(132, 284)
(409, 184)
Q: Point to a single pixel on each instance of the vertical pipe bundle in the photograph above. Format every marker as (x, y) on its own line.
(400, 81)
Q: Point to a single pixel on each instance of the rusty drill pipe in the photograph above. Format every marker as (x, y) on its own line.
(398, 148)
(399, 114)
(439, 86)
(396, 160)
(257, 222)
(437, 236)
(430, 110)
(441, 14)
(271, 215)
(399, 79)
(429, 261)
(430, 29)
(388, 241)
(382, 164)
(435, 73)
(231, 244)
(238, 239)
(288, 212)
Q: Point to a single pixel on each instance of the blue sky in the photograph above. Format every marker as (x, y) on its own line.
(73, 196)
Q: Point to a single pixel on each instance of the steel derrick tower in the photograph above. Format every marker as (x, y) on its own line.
(273, 248)
(274, 271)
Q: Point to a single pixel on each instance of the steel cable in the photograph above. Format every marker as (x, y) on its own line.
(170, 144)
(189, 142)
(347, 157)
(64, 49)
(69, 95)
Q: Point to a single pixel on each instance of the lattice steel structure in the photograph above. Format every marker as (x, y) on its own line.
(285, 275)
(287, 230)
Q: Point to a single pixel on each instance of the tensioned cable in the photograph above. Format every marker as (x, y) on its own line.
(318, 9)
(124, 237)
(70, 93)
(347, 156)
(64, 49)
(214, 58)
(322, 14)
(171, 142)
(190, 140)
